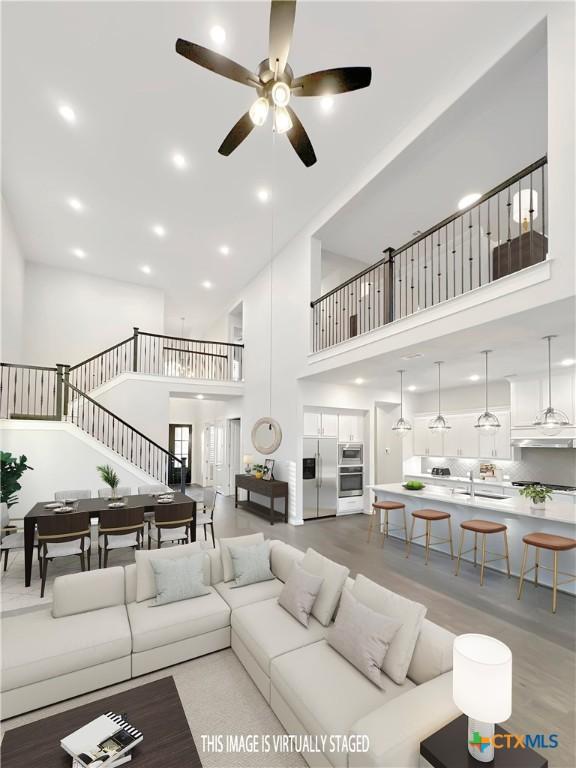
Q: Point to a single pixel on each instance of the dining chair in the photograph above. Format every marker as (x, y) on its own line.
(63, 495)
(61, 536)
(11, 537)
(170, 524)
(206, 517)
(106, 493)
(119, 529)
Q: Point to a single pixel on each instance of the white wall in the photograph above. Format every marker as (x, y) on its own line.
(337, 269)
(463, 398)
(12, 291)
(63, 458)
(70, 315)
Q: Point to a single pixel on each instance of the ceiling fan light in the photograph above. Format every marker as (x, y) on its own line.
(282, 120)
(551, 421)
(280, 94)
(487, 422)
(402, 427)
(259, 111)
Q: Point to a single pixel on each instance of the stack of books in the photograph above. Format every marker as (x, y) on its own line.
(106, 741)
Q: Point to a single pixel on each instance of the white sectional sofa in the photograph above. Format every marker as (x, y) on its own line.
(97, 633)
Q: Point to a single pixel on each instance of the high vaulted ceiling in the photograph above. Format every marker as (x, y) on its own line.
(137, 102)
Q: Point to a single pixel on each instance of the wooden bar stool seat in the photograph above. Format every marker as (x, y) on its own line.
(483, 528)
(430, 516)
(554, 544)
(385, 529)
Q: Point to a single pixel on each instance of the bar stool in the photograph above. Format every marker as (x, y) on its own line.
(553, 543)
(484, 528)
(387, 506)
(430, 516)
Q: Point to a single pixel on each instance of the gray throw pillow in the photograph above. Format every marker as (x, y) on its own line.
(250, 564)
(299, 593)
(179, 579)
(362, 636)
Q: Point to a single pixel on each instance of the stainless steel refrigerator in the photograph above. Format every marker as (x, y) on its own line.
(320, 477)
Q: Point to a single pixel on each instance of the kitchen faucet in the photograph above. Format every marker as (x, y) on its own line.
(471, 476)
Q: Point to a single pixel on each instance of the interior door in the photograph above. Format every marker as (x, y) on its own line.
(180, 444)
(209, 453)
(234, 465)
(220, 457)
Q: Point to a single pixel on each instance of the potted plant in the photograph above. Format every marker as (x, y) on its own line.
(259, 471)
(11, 471)
(538, 495)
(109, 477)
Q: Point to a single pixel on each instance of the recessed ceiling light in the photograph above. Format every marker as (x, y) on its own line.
(412, 356)
(224, 250)
(146, 269)
(263, 195)
(67, 113)
(159, 230)
(412, 388)
(199, 397)
(78, 252)
(358, 381)
(75, 204)
(467, 200)
(218, 34)
(207, 284)
(568, 361)
(327, 103)
(474, 377)
(179, 161)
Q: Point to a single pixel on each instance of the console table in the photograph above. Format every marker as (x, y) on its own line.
(271, 489)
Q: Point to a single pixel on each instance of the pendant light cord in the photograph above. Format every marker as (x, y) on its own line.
(486, 380)
(549, 338)
(439, 401)
(272, 233)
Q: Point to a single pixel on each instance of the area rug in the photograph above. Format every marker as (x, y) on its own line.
(219, 699)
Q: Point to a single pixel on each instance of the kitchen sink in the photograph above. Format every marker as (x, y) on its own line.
(496, 496)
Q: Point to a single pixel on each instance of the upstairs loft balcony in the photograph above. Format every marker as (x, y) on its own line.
(501, 233)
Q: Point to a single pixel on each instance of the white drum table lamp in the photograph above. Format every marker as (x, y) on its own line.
(482, 689)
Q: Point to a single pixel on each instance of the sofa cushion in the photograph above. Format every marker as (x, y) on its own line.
(36, 646)
(156, 625)
(299, 593)
(362, 636)
(334, 576)
(267, 630)
(433, 653)
(326, 693)
(236, 597)
(145, 582)
(87, 591)
(251, 564)
(409, 613)
(180, 578)
(238, 541)
(282, 559)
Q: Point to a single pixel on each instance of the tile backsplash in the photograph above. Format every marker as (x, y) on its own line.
(544, 465)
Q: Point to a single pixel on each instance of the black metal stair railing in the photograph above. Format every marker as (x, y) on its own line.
(501, 233)
(29, 392)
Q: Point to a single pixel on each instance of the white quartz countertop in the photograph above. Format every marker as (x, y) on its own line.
(492, 481)
(555, 511)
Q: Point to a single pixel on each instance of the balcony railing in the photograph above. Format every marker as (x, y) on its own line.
(503, 232)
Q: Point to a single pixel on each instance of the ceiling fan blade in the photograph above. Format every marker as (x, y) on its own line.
(332, 81)
(299, 139)
(217, 63)
(282, 14)
(237, 135)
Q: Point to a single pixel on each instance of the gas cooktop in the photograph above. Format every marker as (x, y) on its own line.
(552, 486)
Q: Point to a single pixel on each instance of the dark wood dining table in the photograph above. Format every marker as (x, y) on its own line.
(94, 506)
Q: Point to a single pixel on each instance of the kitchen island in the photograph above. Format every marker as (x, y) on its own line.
(557, 518)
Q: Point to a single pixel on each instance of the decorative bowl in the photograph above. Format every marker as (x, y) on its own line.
(413, 485)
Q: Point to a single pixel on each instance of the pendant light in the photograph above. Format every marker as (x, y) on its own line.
(439, 423)
(551, 420)
(402, 426)
(487, 422)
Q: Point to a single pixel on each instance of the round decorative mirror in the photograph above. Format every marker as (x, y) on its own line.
(266, 435)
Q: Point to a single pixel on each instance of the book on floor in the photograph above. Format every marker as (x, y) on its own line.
(105, 741)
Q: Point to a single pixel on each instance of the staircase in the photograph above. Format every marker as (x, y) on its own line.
(60, 393)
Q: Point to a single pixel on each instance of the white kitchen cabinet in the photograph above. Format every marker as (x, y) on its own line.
(427, 442)
(320, 424)
(462, 439)
(350, 428)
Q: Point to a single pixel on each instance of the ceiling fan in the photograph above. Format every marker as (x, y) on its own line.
(275, 83)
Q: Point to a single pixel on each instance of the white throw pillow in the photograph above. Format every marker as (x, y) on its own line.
(237, 541)
(145, 581)
(334, 576)
(411, 614)
(299, 593)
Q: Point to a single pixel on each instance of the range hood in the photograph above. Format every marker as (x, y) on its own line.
(543, 442)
